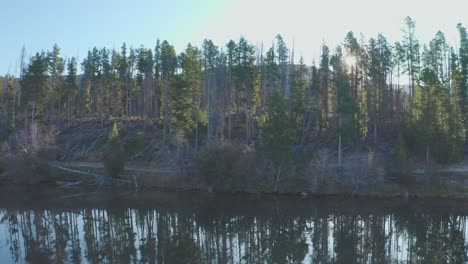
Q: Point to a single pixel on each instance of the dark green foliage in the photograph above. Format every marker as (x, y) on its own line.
(139, 141)
(34, 84)
(463, 68)
(276, 134)
(400, 166)
(271, 71)
(114, 155)
(346, 107)
(135, 144)
(436, 129)
(114, 161)
(412, 54)
(277, 137)
(299, 98)
(181, 107)
(229, 167)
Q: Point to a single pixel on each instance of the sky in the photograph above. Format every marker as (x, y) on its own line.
(79, 25)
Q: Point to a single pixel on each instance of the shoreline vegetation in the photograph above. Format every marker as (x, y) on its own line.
(373, 118)
(224, 168)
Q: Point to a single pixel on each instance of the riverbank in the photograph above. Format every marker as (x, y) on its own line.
(76, 158)
(141, 178)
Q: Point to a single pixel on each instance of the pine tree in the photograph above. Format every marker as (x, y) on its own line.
(157, 81)
(186, 94)
(181, 113)
(299, 98)
(246, 75)
(314, 110)
(71, 87)
(412, 57)
(272, 71)
(283, 52)
(124, 75)
(145, 81)
(34, 85)
(168, 68)
(463, 61)
(210, 56)
(114, 156)
(276, 135)
(345, 105)
(232, 92)
(56, 67)
(324, 78)
(105, 77)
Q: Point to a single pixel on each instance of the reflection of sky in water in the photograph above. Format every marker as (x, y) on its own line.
(5, 256)
(238, 238)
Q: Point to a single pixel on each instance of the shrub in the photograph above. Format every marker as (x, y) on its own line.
(229, 167)
(114, 154)
(135, 144)
(26, 155)
(399, 167)
(114, 134)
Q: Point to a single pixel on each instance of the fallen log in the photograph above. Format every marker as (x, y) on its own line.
(68, 184)
(97, 176)
(77, 171)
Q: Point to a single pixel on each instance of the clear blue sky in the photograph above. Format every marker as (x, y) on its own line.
(77, 26)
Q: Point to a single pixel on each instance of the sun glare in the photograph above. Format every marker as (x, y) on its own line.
(350, 61)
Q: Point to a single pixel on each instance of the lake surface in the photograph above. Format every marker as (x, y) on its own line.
(56, 226)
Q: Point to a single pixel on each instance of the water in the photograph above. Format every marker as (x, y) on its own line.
(70, 226)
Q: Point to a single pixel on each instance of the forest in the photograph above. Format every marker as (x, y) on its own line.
(238, 108)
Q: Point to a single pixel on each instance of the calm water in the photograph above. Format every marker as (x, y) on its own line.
(71, 227)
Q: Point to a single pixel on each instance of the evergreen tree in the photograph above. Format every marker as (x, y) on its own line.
(350, 94)
(412, 57)
(71, 86)
(210, 55)
(272, 71)
(324, 78)
(232, 92)
(56, 67)
(168, 68)
(314, 109)
(276, 135)
(282, 52)
(299, 98)
(34, 84)
(186, 94)
(181, 113)
(463, 61)
(345, 105)
(247, 80)
(157, 81)
(114, 156)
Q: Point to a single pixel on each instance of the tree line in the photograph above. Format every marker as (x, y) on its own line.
(359, 94)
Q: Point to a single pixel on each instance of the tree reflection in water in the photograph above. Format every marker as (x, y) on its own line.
(126, 235)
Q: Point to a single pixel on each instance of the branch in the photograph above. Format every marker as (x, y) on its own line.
(77, 171)
(87, 173)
